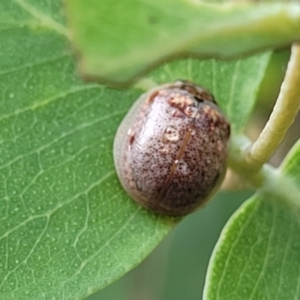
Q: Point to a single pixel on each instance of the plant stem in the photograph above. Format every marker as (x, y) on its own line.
(266, 179)
(283, 115)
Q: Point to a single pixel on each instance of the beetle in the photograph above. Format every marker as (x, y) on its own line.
(170, 150)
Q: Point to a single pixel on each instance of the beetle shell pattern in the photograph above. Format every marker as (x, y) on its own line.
(170, 150)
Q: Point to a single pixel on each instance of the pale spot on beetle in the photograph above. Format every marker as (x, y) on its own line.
(171, 134)
(220, 146)
(215, 116)
(180, 101)
(207, 109)
(191, 111)
(183, 167)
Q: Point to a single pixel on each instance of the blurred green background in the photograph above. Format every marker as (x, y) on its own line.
(176, 268)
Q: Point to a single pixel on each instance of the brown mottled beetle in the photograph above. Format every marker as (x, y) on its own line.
(170, 150)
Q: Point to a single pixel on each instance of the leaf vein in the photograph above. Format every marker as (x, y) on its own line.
(42, 18)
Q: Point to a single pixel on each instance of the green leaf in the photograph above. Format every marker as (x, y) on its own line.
(119, 40)
(291, 164)
(257, 255)
(67, 228)
(181, 268)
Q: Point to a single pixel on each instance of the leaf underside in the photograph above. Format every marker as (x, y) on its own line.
(117, 41)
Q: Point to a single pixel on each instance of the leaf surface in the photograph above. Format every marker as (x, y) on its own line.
(257, 255)
(67, 227)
